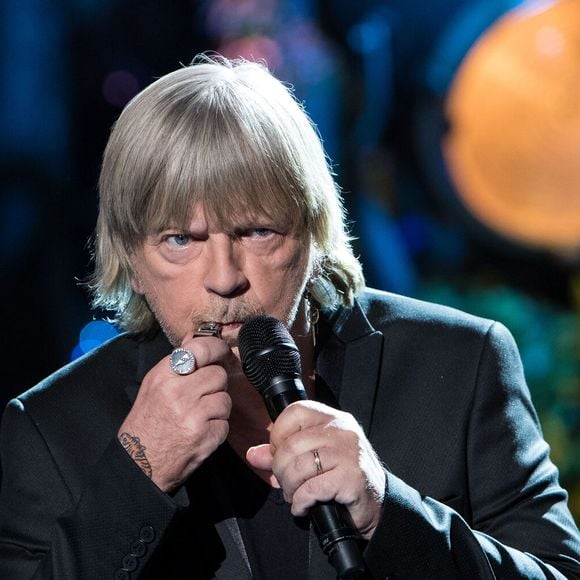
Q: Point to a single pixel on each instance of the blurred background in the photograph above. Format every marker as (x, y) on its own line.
(453, 127)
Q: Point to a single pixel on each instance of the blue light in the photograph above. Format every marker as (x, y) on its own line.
(18, 219)
(92, 335)
(389, 265)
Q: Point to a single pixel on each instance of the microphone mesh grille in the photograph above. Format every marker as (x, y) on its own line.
(267, 350)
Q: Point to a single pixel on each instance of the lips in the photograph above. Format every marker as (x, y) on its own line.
(230, 327)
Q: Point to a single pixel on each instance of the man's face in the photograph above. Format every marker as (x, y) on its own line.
(199, 275)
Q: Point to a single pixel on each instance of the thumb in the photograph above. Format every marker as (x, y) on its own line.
(260, 457)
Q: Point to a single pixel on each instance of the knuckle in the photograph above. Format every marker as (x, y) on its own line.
(302, 463)
(202, 352)
(225, 401)
(312, 487)
(350, 494)
(290, 446)
(216, 405)
(290, 412)
(221, 373)
(223, 429)
(321, 488)
(214, 373)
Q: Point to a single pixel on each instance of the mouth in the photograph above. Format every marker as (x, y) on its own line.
(230, 328)
(229, 333)
(225, 330)
(208, 329)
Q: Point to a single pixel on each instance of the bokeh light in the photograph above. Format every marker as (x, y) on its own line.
(92, 335)
(119, 87)
(513, 145)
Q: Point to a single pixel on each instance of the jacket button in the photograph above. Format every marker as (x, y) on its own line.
(121, 575)
(138, 548)
(130, 563)
(147, 534)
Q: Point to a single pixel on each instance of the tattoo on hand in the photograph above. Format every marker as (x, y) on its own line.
(136, 451)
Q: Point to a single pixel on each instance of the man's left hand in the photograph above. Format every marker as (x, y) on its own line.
(345, 469)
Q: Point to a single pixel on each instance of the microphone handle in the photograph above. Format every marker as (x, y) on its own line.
(331, 520)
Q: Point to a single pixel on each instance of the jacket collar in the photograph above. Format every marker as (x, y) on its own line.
(350, 361)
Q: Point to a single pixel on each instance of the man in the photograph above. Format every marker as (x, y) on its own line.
(153, 457)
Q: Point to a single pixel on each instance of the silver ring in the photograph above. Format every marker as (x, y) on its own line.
(209, 329)
(182, 361)
(317, 462)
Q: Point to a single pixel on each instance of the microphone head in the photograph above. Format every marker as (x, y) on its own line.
(267, 350)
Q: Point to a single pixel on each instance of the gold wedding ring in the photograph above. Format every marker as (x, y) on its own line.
(317, 462)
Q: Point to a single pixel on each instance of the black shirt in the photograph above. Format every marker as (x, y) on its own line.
(276, 542)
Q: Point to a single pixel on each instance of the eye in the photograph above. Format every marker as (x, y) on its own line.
(178, 240)
(259, 232)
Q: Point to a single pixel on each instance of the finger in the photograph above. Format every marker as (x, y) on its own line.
(217, 433)
(260, 457)
(298, 416)
(204, 381)
(207, 350)
(296, 450)
(184, 393)
(322, 488)
(216, 406)
(306, 466)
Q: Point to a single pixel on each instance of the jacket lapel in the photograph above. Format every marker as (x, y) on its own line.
(236, 564)
(351, 364)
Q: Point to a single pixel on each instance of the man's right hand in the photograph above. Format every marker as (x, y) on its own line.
(177, 421)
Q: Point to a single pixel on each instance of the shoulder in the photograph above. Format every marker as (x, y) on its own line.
(418, 323)
(384, 309)
(94, 375)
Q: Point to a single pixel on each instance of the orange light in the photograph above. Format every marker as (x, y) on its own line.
(513, 147)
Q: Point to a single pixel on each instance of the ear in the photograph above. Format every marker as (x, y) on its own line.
(136, 282)
(316, 270)
(315, 266)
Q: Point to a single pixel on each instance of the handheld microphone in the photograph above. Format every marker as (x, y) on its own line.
(271, 362)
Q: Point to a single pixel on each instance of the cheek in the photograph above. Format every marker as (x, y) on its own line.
(168, 286)
(298, 261)
(154, 272)
(286, 270)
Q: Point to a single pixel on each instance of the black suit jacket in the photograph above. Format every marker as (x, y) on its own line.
(471, 492)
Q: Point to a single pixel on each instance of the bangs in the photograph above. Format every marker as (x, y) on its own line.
(232, 165)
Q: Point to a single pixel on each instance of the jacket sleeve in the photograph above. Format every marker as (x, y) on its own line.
(108, 530)
(520, 526)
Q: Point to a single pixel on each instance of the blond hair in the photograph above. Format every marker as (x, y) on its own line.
(228, 137)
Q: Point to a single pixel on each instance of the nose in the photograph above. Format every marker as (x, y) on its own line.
(224, 275)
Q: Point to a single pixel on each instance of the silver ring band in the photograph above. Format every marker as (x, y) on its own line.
(209, 329)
